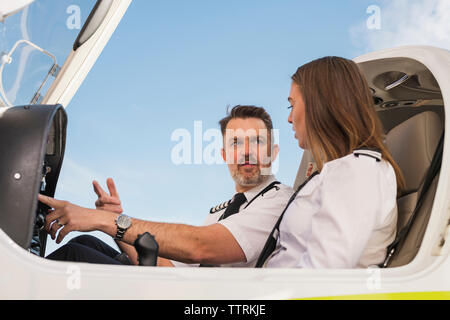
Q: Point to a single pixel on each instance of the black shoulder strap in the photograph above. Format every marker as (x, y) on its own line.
(433, 170)
(271, 242)
(261, 193)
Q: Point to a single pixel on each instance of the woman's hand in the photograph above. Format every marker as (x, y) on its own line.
(67, 217)
(109, 202)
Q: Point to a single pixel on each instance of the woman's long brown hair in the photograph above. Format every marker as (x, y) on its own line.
(339, 112)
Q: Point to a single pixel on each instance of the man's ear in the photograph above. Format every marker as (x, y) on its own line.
(275, 150)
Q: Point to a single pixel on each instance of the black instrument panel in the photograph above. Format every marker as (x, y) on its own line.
(32, 145)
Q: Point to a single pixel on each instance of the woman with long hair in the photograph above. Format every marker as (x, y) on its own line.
(345, 216)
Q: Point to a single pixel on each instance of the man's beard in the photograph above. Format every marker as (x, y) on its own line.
(251, 180)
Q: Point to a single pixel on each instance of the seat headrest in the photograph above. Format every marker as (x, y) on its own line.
(412, 145)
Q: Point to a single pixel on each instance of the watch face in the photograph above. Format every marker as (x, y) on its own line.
(123, 221)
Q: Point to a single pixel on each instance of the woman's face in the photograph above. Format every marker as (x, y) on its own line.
(297, 115)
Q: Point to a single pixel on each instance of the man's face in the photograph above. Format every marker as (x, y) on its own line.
(247, 151)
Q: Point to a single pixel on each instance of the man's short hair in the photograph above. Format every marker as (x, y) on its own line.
(244, 112)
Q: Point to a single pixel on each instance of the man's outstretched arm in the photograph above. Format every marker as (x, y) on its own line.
(212, 244)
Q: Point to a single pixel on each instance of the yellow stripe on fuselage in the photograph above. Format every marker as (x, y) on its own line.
(438, 295)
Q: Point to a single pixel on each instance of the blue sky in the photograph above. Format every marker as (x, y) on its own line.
(170, 63)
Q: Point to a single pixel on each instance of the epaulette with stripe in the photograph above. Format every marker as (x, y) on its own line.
(220, 207)
(373, 153)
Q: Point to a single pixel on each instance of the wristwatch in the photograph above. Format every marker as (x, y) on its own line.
(123, 222)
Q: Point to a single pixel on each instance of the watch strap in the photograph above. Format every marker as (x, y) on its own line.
(120, 233)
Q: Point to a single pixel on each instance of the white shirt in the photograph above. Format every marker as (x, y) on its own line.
(252, 225)
(345, 217)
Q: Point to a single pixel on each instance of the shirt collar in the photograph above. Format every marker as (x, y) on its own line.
(250, 194)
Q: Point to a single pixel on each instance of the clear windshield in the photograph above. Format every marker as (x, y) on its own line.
(34, 43)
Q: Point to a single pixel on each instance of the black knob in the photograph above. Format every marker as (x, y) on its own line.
(147, 249)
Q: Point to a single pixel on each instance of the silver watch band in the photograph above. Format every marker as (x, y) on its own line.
(120, 233)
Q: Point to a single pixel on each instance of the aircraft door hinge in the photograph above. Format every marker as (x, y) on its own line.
(54, 71)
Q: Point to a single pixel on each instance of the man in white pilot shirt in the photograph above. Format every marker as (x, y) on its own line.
(235, 240)
(244, 131)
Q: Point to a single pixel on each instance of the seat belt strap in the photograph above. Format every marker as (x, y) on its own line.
(433, 170)
(271, 242)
